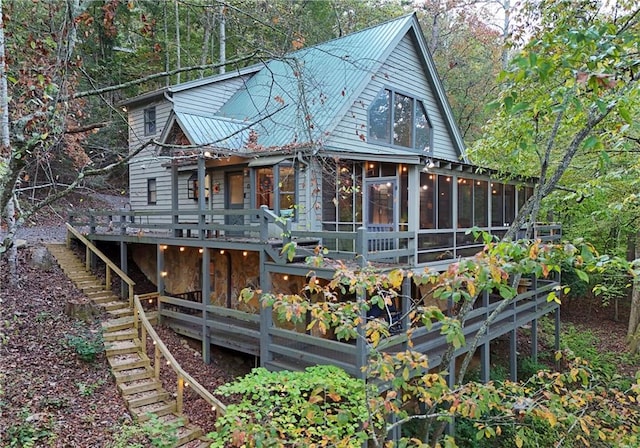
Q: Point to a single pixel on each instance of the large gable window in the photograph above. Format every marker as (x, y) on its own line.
(399, 120)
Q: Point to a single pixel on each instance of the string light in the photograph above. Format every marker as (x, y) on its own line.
(245, 253)
(164, 247)
(201, 250)
(222, 252)
(182, 249)
(285, 277)
(163, 274)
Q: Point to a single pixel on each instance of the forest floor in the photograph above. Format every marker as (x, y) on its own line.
(50, 397)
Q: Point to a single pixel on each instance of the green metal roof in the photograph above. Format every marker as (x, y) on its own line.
(298, 98)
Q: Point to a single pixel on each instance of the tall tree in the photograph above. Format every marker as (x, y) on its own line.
(570, 91)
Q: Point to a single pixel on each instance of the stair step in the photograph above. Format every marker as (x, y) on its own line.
(113, 348)
(120, 335)
(120, 323)
(161, 408)
(110, 303)
(146, 397)
(186, 434)
(121, 312)
(128, 361)
(100, 294)
(125, 378)
(174, 419)
(86, 289)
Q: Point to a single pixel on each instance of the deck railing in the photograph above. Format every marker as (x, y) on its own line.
(290, 349)
(109, 265)
(362, 245)
(161, 351)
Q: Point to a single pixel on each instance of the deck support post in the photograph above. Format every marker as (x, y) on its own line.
(124, 266)
(513, 355)
(174, 198)
(266, 314)
(485, 362)
(556, 344)
(485, 349)
(361, 246)
(406, 305)
(160, 277)
(534, 340)
(361, 341)
(206, 298)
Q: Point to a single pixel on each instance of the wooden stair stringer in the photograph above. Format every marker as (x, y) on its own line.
(130, 366)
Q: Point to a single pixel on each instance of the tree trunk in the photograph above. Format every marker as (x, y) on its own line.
(633, 331)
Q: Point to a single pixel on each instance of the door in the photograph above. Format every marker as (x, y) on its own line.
(381, 210)
(234, 199)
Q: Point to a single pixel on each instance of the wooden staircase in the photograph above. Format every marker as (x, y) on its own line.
(131, 367)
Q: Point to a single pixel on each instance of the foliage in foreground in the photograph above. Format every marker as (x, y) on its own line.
(322, 405)
(575, 407)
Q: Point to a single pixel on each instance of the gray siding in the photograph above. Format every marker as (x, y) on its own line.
(207, 99)
(403, 72)
(147, 165)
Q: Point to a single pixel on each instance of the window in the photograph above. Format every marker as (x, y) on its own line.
(152, 192)
(150, 120)
(276, 187)
(399, 120)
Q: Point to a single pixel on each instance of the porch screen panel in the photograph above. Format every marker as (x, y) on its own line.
(427, 201)
(497, 205)
(465, 203)
(521, 197)
(445, 209)
(509, 203)
(480, 203)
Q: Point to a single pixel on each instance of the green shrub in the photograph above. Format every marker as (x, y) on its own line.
(88, 345)
(321, 405)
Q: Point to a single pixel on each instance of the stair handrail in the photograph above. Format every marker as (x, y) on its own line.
(161, 349)
(110, 265)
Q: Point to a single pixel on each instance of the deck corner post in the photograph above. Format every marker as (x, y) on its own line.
(266, 314)
(206, 298)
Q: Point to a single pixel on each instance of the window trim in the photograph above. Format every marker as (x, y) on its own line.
(152, 193)
(391, 122)
(149, 123)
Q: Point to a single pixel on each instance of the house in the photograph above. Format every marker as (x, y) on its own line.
(350, 144)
